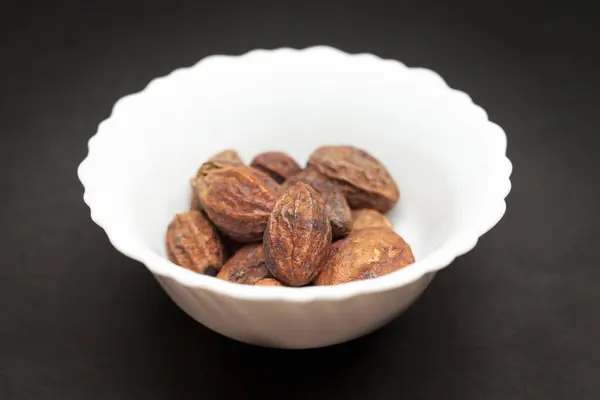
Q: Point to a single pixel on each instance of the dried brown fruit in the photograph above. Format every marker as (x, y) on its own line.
(268, 282)
(238, 199)
(366, 218)
(363, 179)
(247, 266)
(336, 206)
(278, 165)
(298, 236)
(226, 156)
(193, 243)
(365, 254)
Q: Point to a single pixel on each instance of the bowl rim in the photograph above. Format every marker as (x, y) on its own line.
(162, 267)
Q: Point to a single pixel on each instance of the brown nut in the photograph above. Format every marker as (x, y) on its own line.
(298, 236)
(247, 266)
(238, 199)
(226, 156)
(193, 243)
(278, 165)
(363, 179)
(268, 282)
(366, 218)
(336, 206)
(365, 254)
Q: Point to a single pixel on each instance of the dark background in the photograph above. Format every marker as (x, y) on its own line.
(518, 317)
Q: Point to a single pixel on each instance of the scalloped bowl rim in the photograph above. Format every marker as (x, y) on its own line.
(440, 258)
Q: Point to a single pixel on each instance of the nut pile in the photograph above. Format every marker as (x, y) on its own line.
(272, 223)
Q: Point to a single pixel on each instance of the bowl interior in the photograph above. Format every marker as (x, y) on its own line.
(433, 140)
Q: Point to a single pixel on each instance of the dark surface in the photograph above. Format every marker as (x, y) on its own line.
(516, 318)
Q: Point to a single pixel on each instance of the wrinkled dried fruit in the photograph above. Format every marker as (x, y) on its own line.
(226, 156)
(298, 236)
(278, 165)
(363, 179)
(247, 266)
(367, 218)
(238, 199)
(365, 254)
(268, 282)
(193, 243)
(336, 206)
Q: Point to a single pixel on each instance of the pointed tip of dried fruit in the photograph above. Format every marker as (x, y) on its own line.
(227, 156)
(193, 243)
(297, 237)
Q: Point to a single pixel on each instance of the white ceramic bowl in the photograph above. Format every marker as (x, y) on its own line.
(447, 157)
